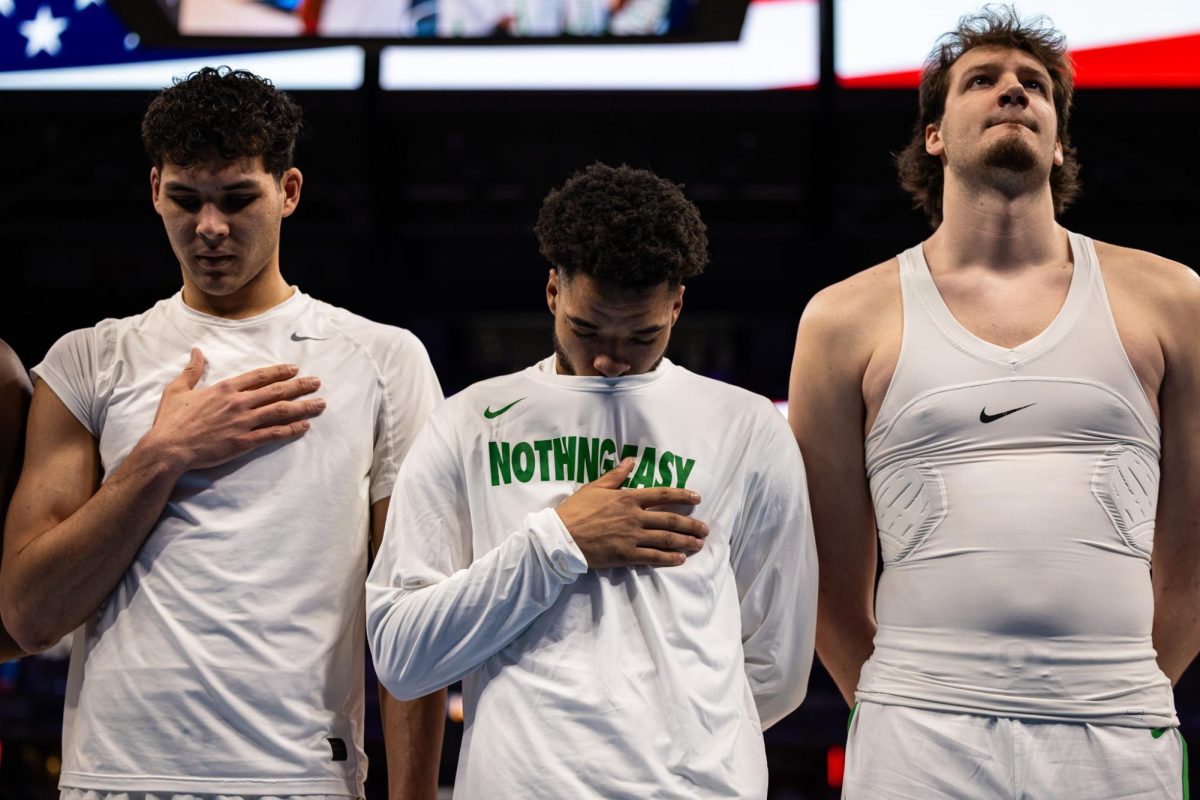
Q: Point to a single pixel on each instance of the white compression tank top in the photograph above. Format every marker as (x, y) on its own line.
(1015, 493)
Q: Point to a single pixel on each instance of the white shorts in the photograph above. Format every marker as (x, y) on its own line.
(895, 752)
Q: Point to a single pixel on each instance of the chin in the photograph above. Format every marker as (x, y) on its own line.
(1012, 153)
(218, 285)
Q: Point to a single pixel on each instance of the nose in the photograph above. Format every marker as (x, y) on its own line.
(610, 365)
(211, 225)
(1015, 94)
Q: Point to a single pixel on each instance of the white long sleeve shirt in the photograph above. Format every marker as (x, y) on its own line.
(613, 683)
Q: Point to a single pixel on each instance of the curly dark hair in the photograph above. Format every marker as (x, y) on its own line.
(222, 113)
(627, 228)
(921, 173)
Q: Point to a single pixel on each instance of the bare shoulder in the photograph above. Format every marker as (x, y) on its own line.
(13, 376)
(851, 309)
(1148, 277)
(849, 330)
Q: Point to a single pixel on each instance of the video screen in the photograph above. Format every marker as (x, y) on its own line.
(82, 45)
(442, 19)
(1115, 44)
(777, 46)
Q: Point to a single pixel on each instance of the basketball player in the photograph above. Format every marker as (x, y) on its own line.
(14, 406)
(613, 553)
(199, 510)
(1023, 400)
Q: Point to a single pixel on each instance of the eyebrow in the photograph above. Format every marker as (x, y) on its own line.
(984, 66)
(591, 326)
(177, 186)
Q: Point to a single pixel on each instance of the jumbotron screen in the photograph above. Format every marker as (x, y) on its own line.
(82, 45)
(1114, 43)
(775, 47)
(434, 18)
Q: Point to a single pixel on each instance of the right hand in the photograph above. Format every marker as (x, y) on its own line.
(207, 427)
(614, 528)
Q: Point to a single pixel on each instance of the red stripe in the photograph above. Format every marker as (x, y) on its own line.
(1159, 63)
(1167, 63)
(907, 79)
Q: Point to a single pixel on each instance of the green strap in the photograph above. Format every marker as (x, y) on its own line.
(853, 711)
(1183, 744)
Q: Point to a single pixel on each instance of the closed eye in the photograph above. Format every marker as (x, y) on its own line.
(238, 201)
(186, 201)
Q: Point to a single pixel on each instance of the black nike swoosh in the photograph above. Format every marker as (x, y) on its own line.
(985, 417)
(298, 338)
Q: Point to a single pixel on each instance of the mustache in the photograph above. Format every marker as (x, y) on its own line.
(1000, 119)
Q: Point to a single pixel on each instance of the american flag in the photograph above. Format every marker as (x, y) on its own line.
(82, 44)
(53, 34)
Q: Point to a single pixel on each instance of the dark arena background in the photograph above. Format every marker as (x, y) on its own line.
(426, 158)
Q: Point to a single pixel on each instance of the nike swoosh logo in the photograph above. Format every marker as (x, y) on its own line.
(298, 338)
(985, 417)
(489, 414)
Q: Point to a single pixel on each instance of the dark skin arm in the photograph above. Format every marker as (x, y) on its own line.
(15, 394)
(412, 729)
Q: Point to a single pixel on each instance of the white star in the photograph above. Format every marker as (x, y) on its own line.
(7, 7)
(80, 5)
(42, 32)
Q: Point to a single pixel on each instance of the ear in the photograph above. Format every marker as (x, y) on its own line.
(290, 182)
(552, 289)
(677, 305)
(1058, 152)
(155, 186)
(933, 140)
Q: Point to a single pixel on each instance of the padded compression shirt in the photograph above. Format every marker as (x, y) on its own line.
(1015, 493)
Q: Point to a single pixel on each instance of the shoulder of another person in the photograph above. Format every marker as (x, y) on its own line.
(12, 372)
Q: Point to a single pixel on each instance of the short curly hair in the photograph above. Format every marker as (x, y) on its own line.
(219, 113)
(922, 174)
(626, 228)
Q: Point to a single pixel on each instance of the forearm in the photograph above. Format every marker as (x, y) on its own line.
(1177, 626)
(423, 639)
(778, 674)
(844, 643)
(779, 626)
(412, 733)
(63, 574)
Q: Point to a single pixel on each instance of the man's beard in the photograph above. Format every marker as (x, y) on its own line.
(565, 367)
(1012, 154)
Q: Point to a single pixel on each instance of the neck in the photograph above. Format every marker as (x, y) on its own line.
(265, 291)
(987, 227)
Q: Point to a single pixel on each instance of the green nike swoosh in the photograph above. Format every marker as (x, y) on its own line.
(489, 414)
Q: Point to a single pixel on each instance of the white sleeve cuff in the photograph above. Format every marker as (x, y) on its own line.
(564, 556)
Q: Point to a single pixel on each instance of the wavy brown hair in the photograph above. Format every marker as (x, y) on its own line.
(921, 173)
(223, 114)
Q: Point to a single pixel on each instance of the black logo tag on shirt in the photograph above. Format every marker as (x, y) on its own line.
(985, 417)
(339, 749)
